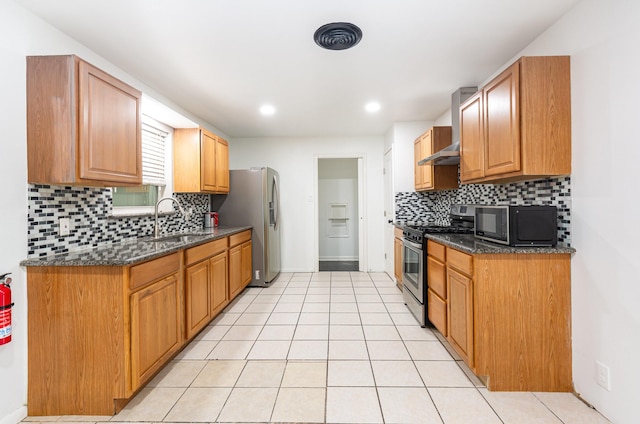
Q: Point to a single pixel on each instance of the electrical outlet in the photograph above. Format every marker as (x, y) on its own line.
(64, 226)
(602, 376)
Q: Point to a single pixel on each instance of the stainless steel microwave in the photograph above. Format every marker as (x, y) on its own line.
(517, 225)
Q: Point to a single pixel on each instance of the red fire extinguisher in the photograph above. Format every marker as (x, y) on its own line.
(5, 309)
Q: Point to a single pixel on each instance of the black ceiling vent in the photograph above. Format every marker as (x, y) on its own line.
(337, 36)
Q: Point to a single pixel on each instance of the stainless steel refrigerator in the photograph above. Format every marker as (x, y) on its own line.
(254, 199)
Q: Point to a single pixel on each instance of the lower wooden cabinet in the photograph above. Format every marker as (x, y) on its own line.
(460, 314)
(508, 316)
(397, 256)
(155, 328)
(97, 334)
(206, 282)
(239, 262)
(219, 283)
(196, 291)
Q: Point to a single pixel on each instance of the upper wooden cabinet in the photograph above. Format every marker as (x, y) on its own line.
(200, 162)
(518, 126)
(429, 177)
(83, 125)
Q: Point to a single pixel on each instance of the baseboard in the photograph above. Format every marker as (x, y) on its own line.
(15, 417)
(338, 258)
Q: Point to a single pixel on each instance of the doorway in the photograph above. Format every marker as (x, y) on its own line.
(339, 215)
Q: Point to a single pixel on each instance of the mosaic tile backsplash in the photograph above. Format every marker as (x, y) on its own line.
(92, 224)
(420, 207)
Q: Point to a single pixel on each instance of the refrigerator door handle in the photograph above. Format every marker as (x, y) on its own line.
(275, 203)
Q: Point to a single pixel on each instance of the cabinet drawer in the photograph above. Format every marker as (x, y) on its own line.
(436, 277)
(437, 311)
(148, 272)
(236, 239)
(436, 250)
(198, 253)
(397, 232)
(460, 261)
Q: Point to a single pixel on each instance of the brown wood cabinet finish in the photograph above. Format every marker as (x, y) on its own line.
(522, 121)
(156, 328)
(83, 125)
(397, 256)
(205, 284)
(196, 293)
(437, 291)
(509, 317)
(97, 334)
(472, 132)
(200, 162)
(460, 314)
(429, 177)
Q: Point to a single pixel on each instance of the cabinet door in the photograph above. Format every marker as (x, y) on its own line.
(235, 271)
(417, 169)
(460, 314)
(502, 123)
(197, 297)
(219, 283)
(471, 139)
(397, 259)
(208, 162)
(222, 166)
(246, 263)
(427, 150)
(155, 328)
(109, 143)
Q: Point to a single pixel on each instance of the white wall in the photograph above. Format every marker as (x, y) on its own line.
(401, 136)
(338, 184)
(296, 160)
(602, 37)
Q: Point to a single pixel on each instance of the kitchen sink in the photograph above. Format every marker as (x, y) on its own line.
(174, 238)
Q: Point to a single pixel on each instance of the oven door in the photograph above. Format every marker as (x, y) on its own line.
(413, 269)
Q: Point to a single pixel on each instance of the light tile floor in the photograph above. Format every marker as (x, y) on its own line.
(334, 347)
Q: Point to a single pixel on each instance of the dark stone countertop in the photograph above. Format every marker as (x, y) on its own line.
(133, 251)
(469, 244)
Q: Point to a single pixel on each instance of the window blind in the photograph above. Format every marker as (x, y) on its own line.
(153, 157)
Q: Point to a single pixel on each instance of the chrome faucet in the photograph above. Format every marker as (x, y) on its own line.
(156, 230)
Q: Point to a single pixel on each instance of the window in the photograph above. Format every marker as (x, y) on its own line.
(156, 159)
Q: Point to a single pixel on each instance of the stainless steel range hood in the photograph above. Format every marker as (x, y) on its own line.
(450, 155)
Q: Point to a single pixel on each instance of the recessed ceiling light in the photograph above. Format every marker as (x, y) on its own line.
(267, 110)
(372, 107)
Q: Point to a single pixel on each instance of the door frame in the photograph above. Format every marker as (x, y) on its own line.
(362, 237)
(389, 215)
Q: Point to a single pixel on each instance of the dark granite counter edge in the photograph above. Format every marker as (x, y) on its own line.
(132, 251)
(469, 244)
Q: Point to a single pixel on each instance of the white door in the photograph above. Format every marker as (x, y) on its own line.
(389, 212)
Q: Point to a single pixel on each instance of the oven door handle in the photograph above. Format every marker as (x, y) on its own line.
(412, 244)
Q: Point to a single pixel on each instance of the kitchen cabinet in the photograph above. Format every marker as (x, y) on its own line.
(205, 284)
(200, 162)
(508, 316)
(397, 256)
(240, 265)
(437, 286)
(83, 125)
(156, 327)
(429, 177)
(460, 308)
(518, 126)
(99, 332)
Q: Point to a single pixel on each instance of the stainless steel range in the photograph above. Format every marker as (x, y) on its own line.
(414, 273)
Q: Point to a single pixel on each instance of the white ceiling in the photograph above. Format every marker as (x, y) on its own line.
(222, 59)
